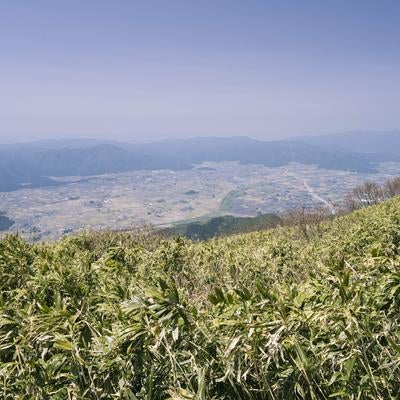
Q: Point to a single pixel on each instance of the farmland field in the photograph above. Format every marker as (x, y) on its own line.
(165, 197)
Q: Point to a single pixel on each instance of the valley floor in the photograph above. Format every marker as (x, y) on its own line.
(161, 198)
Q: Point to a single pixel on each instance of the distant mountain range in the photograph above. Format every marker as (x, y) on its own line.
(359, 141)
(34, 164)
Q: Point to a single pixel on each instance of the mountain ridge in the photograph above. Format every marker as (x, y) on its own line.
(34, 164)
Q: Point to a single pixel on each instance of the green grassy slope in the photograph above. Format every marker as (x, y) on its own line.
(266, 315)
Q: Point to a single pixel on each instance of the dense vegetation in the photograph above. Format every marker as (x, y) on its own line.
(267, 315)
(222, 226)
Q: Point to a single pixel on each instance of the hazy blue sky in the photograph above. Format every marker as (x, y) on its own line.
(142, 70)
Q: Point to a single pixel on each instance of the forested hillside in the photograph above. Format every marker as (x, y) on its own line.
(267, 315)
(5, 222)
(222, 226)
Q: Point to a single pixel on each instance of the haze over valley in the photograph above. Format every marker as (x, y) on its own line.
(114, 116)
(52, 188)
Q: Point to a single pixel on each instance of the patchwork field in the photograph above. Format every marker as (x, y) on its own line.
(162, 198)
